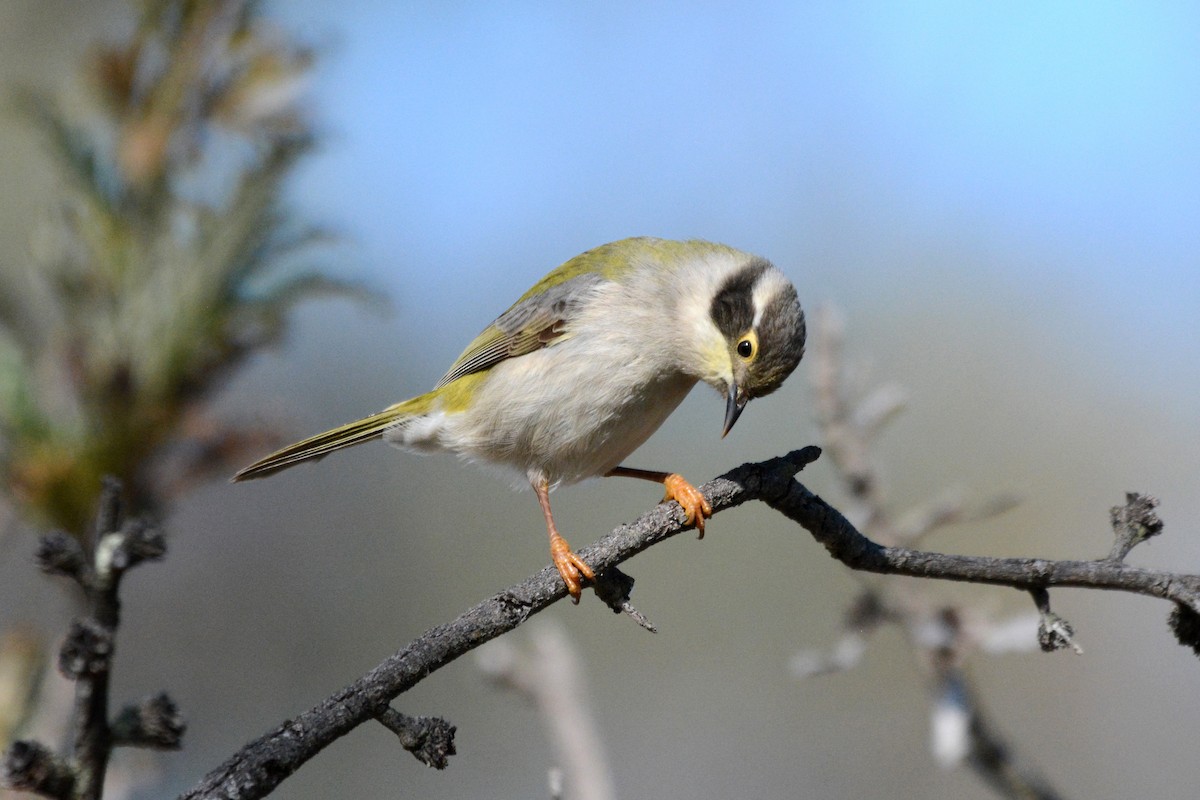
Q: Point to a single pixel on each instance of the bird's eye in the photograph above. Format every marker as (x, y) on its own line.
(745, 348)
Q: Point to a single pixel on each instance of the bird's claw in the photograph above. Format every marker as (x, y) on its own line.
(573, 569)
(696, 508)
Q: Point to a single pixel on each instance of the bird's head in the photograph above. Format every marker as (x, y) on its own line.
(757, 315)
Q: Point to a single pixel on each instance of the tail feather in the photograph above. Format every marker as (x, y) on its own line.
(321, 445)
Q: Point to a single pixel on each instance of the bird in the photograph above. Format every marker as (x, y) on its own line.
(587, 364)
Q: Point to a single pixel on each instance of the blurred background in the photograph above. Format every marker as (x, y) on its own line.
(1002, 202)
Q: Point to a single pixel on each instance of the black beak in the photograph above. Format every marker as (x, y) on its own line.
(734, 403)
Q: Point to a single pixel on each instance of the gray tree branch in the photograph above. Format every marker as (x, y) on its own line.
(260, 766)
(97, 563)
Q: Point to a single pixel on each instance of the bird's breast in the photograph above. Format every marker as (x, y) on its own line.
(567, 412)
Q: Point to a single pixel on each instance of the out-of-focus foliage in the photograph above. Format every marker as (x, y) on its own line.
(167, 261)
(22, 657)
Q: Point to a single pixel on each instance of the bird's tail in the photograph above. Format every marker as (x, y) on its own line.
(321, 445)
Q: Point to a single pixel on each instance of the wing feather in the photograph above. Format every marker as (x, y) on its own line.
(321, 445)
(532, 323)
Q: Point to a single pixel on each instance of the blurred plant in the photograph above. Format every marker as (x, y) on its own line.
(168, 261)
(943, 635)
(21, 659)
(547, 670)
(96, 562)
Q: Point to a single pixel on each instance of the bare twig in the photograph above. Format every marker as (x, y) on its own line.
(1053, 632)
(33, 767)
(549, 673)
(97, 563)
(261, 765)
(959, 722)
(846, 544)
(154, 723)
(942, 635)
(264, 763)
(1133, 523)
(429, 739)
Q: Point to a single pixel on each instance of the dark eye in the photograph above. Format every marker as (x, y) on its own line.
(745, 348)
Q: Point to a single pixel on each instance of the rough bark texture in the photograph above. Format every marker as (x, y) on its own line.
(256, 769)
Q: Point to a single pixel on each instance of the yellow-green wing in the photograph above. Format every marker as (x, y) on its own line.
(533, 322)
(321, 445)
(544, 314)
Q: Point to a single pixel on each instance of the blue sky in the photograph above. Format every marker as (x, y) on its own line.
(1047, 154)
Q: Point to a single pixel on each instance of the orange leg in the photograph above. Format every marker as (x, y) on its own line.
(696, 507)
(573, 569)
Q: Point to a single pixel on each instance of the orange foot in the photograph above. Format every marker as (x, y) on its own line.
(696, 507)
(573, 569)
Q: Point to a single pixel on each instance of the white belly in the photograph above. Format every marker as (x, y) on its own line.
(561, 413)
(577, 408)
